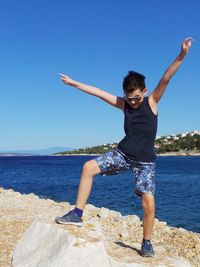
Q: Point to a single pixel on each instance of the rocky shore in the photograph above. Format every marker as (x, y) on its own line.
(182, 153)
(120, 236)
(179, 154)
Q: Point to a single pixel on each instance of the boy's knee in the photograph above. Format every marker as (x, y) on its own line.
(149, 208)
(148, 204)
(91, 167)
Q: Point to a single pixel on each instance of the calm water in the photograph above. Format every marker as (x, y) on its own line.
(177, 185)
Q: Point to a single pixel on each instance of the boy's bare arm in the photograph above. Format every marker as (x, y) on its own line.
(162, 85)
(113, 100)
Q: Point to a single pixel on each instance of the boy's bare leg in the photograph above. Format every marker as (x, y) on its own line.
(148, 204)
(90, 168)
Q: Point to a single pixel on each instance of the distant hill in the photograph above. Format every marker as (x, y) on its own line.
(47, 151)
(184, 143)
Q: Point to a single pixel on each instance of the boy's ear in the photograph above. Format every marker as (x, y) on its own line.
(145, 90)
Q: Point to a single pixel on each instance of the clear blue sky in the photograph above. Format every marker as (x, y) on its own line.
(95, 42)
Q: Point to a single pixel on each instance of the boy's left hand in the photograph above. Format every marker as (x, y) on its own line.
(187, 43)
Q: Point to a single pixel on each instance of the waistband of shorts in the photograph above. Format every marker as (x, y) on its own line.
(141, 162)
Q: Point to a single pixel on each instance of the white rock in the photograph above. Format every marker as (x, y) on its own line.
(115, 214)
(182, 230)
(91, 207)
(46, 245)
(104, 213)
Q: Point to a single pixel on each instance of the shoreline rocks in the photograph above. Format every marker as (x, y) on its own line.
(120, 235)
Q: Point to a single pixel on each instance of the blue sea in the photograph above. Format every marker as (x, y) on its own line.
(57, 178)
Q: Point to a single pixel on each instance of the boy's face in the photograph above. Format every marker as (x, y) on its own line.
(136, 97)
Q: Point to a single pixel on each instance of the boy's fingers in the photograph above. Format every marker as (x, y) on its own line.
(189, 39)
(63, 75)
(63, 79)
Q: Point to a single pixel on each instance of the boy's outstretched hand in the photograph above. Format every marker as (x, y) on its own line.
(67, 80)
(187, 43)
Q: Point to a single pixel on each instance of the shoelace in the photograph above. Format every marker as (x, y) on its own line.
(147, 245)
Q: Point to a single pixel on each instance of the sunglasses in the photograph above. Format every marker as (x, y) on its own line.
(133, 98)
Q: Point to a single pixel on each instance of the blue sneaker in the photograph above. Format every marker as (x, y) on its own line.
(147, 249)
(70, 218)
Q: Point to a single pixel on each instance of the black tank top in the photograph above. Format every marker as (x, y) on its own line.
(140, 126)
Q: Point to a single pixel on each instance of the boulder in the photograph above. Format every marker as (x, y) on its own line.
(47, 245)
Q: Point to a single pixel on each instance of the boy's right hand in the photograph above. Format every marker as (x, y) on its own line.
(67, 80)
(187, 43)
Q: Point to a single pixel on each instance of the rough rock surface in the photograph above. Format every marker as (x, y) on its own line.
(47, 245)
(120, 236)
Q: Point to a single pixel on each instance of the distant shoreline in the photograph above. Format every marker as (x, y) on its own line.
(179, 154)
(161, 154)
(187, 154)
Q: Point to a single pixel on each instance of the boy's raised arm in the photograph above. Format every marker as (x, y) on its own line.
(113, 100)
(162, 85)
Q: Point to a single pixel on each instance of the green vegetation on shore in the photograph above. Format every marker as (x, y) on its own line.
(90, 150)
(188, 143)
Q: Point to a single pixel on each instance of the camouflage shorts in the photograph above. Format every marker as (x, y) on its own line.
(114, 162)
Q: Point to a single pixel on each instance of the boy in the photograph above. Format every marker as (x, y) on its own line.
(135, 151)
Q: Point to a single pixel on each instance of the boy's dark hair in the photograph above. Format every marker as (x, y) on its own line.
(133, 81)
